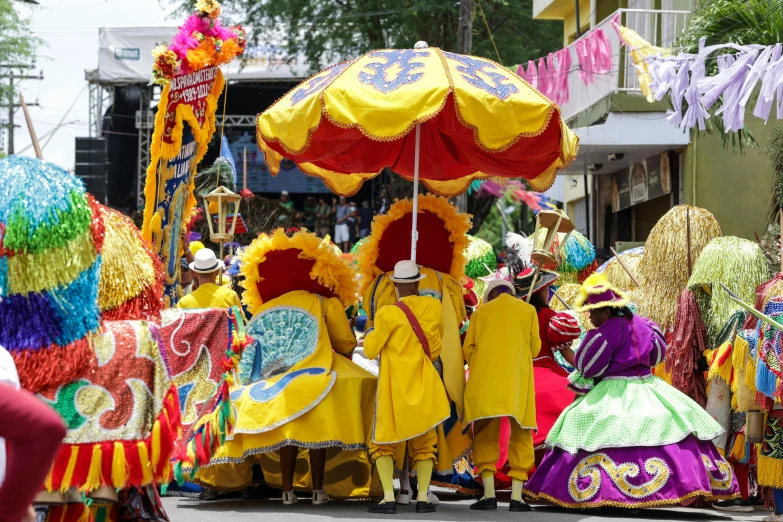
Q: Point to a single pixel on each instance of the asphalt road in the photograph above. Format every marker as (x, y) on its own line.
(451, 508)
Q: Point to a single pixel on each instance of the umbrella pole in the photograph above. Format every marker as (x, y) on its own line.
(415, 220)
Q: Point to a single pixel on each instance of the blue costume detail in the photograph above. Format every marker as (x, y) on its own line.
(402, 58)
(318, 83)
(262, 392)
(472, 66)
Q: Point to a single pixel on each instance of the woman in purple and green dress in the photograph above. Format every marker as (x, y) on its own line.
(630, 440)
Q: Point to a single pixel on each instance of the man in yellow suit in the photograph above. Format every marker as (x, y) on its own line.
(411, 400)
(206, 267)
(500, 345)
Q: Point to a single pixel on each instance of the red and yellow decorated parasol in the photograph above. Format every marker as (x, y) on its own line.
(443, 118)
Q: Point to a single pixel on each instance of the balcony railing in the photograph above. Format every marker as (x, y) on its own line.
(659, 27)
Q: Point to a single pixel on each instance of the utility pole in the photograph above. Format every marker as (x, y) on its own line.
(465, 32)
(11, 109)
(584, 178)
(464, 46)
(12, 105)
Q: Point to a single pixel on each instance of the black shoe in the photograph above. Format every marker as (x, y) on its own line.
(518, 506)
(425, 507)
(384, 508)
(485, 504)
(736, 506)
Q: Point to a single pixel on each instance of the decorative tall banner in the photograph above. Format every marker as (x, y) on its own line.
(184, 125)
(183, 128)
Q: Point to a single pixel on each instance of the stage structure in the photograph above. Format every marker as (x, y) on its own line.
(124, 64)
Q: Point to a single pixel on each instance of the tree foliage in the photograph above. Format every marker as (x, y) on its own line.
(328, 31)
(738, 21)
(18, 45)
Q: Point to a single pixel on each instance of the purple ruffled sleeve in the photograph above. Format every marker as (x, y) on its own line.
(594, 355)
(658, 353)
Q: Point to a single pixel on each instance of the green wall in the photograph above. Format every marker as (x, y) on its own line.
(735, 187)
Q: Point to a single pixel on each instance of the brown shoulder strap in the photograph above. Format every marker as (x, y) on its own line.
(416, 327)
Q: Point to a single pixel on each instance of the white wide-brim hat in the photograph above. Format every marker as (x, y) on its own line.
(205, 262)
(407, 272)
(496, 283)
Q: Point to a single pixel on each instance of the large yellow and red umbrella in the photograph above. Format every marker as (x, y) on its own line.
(430, 115)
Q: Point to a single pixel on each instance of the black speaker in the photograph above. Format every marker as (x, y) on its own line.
(91, 166)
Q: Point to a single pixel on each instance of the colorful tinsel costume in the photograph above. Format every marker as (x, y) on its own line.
(631, 440)
(52, 235)
(296, 386)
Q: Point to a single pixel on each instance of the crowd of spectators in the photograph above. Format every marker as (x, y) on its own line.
(344, 221)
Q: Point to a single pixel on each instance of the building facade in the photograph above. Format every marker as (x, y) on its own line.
(634, 163)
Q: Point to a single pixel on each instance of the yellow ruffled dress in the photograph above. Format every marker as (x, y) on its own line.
(322, 401)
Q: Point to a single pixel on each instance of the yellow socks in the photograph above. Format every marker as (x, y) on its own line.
(424, 472)
(488, 478)
(516, 489)
(385, 467)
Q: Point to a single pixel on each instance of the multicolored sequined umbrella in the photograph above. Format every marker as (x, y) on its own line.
(443, 118)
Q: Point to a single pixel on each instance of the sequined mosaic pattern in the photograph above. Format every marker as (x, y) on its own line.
(122, 416)
(772, 446)
(50, 241)
(121, 398)
(195, 342)
(633, 477)
(283, 337)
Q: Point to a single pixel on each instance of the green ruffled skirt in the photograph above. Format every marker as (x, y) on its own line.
(627, 412)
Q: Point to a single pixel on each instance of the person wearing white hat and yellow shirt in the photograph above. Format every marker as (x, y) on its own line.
(499, 347)
(411, 400)
(206, 267)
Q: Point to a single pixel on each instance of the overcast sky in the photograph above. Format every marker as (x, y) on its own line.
(70, 30)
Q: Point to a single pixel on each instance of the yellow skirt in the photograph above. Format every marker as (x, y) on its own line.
(341, 423)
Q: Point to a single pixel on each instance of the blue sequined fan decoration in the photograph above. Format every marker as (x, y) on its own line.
(283, 337)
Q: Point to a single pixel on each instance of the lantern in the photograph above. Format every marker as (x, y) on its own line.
(226, 204)
(554, 221)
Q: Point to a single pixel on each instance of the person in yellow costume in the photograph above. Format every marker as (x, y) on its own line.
(298, 388)
(500, 345)
(442, 242)
(207, 267)
(411, 400)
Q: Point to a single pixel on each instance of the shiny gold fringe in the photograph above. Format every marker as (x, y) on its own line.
(770, 472)
(619, 277)
(127, 269)
(663, 269)
(737, 263)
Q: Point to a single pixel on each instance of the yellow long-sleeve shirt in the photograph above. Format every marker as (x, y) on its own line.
(210, 295)
(411, 399)
(500, 345)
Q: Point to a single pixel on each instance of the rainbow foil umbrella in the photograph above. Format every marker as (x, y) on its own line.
(429, 115)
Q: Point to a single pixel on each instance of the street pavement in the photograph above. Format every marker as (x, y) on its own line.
(452, 507)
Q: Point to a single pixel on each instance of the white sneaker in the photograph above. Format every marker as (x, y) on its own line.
(403, 497)
(432, 499)
(773, 518)
(289, 498)
(320, 497)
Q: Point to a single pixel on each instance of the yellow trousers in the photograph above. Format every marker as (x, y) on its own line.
(486, 451)
(419, 448)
